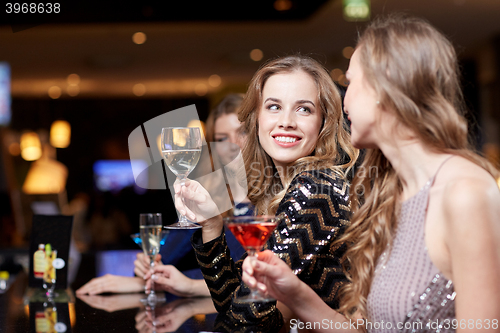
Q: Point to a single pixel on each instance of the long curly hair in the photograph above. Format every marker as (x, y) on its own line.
(413, 69)
(333, 149)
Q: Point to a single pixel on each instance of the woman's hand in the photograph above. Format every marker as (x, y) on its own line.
(142, 264)
(170, 279)
(194, 201)
(270, 275)
(112, 284)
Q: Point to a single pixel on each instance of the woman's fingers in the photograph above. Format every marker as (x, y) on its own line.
(98, 285)
(179, 203)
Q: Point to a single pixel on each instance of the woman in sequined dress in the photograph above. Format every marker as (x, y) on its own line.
(425, 231)
(295, 163)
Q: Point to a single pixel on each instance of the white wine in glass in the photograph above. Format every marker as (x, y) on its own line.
(150, 226)
(181, 150)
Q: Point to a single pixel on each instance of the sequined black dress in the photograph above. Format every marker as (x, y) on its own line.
(316, 211)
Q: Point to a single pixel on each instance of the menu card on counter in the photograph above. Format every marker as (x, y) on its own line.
(49, 250)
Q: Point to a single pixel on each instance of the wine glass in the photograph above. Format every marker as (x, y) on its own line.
(181, 150)
(150, 226)
(137, 238)
(252, 232)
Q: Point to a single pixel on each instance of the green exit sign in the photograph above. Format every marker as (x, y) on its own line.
(357, 10)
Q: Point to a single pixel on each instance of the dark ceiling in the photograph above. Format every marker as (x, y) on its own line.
(74, 12)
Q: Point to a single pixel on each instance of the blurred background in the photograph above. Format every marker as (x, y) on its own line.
(75, 83)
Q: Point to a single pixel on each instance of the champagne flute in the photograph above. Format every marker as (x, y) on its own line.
(150, 226)
(181, 150)
(252, 232)
(137, 238)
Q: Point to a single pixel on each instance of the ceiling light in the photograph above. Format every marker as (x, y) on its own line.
(54, 92)
(282, 5)
(45, 176)
(214, 80)
(73, 79)
(356, 10)
(256, 55)
(31, 148)
(139, 38)
(336, 73)
(347, 52)
(139, 89)
(60, 134)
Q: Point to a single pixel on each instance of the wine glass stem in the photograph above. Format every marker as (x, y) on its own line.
(182, 180)
(151, 266)
(253, 256)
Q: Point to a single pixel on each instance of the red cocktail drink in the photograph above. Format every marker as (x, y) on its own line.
(252, 232)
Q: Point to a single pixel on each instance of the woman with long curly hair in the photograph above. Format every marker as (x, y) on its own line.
(424, 238)
(296, 158)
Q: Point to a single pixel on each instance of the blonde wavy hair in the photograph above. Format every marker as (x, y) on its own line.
(333, 148)
(413, 69)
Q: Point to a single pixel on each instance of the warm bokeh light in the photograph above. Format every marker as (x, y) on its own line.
(347, 52)
(139, 89)
(73, 90)
(139, 38)
(199, 318)
(185, 87)
(14, 149)
(60, 134)
(31, 148)
(200, 89)
(158, 142)
(214, 80)
(72, 314)
(179, 137)
(256, 55)
(73, 79)
(282, 5)
(197, 123)
(45, 176)
(336, 73)
(343, 81)
(498, 182)
(54, 92)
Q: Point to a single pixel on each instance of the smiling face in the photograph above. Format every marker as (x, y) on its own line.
(289, 117)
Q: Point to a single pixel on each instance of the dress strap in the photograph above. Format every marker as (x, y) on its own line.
(437, 171)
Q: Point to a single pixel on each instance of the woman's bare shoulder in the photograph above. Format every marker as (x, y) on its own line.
(468, 190)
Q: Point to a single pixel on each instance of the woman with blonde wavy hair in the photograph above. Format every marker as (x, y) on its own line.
(296, 157)
(425, 235)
